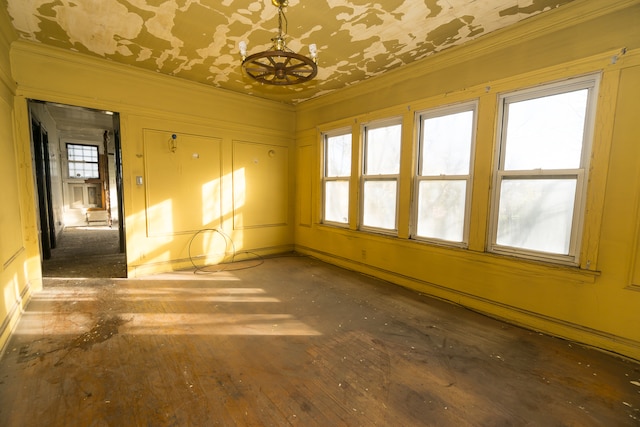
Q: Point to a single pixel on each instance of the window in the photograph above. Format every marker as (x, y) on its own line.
(83, 161)
(337, 172)
(541, 172)
(443, 178)
(380, 176)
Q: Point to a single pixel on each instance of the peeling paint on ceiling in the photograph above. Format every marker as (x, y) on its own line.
(198, 39)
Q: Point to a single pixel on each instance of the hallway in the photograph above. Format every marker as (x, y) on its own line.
(292, 341)
(85, 252)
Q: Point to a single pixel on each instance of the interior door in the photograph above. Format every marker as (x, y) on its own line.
(48, 189)
(40, 162)
(118, 161)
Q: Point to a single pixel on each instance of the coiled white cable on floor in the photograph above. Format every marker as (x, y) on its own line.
(225, 266)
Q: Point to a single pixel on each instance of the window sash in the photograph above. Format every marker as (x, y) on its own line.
(546, 215)
(434, 221)
(563, 132)
(375, 161)
(544, 224)
(335, 211)
(379, 212)
(344, 169)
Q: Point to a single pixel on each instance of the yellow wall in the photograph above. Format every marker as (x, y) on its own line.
(19, 253)
(595, 303)
(229, 168)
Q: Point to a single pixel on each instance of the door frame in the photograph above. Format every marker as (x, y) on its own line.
(42, 172)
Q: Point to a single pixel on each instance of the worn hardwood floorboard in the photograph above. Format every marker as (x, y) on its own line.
(293, 341)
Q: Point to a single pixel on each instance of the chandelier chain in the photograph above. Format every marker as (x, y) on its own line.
(281, 17)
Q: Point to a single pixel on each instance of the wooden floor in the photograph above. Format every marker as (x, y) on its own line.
(293, 341)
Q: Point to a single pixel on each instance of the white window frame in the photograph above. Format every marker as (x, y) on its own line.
(471, 106)
(69, 148)
(325, 179)
(580, 174)
(364, 177)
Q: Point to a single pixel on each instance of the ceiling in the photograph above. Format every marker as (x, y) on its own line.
(74, 124)
(198, 39)
(78, 123)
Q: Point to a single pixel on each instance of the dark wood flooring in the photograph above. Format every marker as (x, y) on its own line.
(292, 341)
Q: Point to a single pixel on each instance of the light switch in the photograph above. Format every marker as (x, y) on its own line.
(139, 180)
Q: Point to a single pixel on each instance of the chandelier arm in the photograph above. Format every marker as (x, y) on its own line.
(272, 61)
(268, 64)
(262, 76)
(259, 72)
(295, 66)
(260, 66)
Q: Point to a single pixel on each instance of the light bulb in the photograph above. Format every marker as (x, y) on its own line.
(243, 48)
(313, 49)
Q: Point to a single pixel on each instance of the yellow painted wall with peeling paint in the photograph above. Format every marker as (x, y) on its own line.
(19, 252)
(173, 203)
(596, 303)
(227, 146)
(238, 134)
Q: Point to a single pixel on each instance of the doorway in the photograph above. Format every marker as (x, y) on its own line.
(78, 179)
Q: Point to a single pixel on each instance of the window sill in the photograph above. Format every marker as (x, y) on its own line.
(509, 264)
(537, 267)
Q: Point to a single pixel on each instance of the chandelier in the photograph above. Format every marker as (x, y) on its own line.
(280, 65)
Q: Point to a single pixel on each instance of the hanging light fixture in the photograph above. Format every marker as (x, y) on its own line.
(280, 65)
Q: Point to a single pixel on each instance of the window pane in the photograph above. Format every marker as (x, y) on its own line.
(336, 201)
(83, 161)
(383, 150)
(441, 209)
(446, 144)
(83, 170)
(86, 153)
(380, 204)
(546, 133)
(338, 155)
(536, 214)
(91, 154)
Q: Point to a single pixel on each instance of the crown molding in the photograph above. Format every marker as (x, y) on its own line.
(143, 76)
